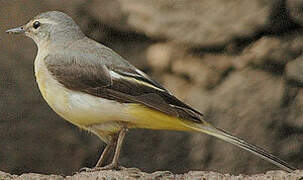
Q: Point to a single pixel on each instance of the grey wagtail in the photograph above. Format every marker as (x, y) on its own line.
(95, 89)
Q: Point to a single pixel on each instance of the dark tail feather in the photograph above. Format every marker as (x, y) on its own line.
(210, 130)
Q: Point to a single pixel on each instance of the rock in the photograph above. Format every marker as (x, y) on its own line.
(220, 65)
(159, 56)
(294, 70)
(270, 52)
(295, 111)
(197, 23)
(206, 71)
(106, 12)
(267, 49)
(133, 174)
(174, 84)
(191, 67)
(295, 9)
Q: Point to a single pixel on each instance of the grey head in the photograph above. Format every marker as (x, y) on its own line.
(50, 27)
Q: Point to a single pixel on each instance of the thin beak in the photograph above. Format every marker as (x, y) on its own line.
(17, 30)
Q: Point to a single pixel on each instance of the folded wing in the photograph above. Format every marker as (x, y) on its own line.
(121, 82)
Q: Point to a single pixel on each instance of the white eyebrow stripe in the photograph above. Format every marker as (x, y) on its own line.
(118, 76)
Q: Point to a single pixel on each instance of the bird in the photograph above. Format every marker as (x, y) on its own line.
(96, 89)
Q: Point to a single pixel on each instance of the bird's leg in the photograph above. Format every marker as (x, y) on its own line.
(119, 146)
(104, 154)
(114, 163)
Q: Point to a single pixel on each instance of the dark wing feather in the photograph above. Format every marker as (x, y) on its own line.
(95, 79)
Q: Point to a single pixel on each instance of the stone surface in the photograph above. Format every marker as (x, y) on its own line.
(197, 23)
(295, 9)
(294, 70)
(159, 56)
(131, 174)
(106, 12)
(295, 111)
(273, 50)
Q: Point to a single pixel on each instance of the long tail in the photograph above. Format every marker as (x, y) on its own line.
(210, 130)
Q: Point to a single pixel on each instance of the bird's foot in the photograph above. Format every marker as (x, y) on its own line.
(112, 166)
(85, 169)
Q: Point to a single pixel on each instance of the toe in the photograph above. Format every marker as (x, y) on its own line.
(85, 169)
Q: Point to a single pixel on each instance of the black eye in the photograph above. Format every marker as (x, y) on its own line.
(36, 24)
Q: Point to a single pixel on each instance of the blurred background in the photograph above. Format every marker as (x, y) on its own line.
(239, 62)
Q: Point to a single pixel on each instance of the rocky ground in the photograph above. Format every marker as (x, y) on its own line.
(131, 174)
(239, 62)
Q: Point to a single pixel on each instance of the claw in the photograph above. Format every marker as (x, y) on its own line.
(108, 167)
(85, 169)
(112, 166)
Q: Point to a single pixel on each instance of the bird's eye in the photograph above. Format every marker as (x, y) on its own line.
(36, 24)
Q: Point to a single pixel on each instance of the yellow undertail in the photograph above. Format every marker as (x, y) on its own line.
(151, 119)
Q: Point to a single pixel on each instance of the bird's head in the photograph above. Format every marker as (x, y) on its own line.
(49, 27)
